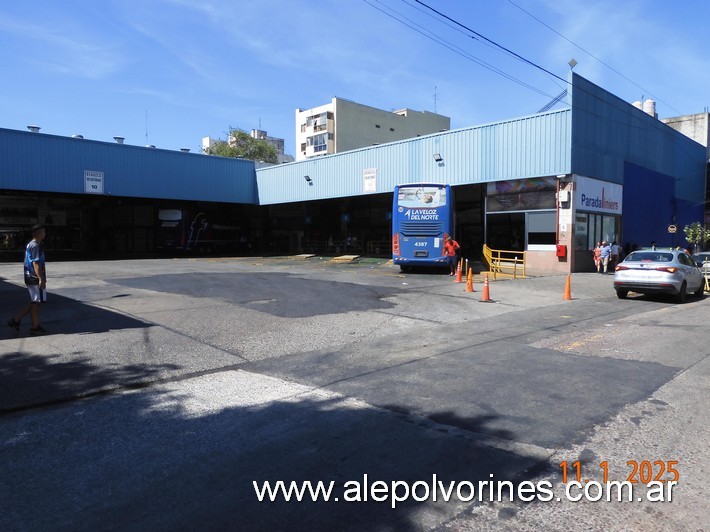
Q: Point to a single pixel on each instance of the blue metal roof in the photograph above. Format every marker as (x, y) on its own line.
(595, 137)
(40, 162)
(531, 146)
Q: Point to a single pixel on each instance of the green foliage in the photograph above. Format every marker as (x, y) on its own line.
(696, 234)
(242, 145)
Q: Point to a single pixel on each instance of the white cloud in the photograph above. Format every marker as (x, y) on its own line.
(62, 46)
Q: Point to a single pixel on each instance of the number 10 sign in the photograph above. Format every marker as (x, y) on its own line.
(93, 182)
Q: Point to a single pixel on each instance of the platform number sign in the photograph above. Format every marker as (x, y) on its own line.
(93, 182)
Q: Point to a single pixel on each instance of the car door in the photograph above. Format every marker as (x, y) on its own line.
(693, 275)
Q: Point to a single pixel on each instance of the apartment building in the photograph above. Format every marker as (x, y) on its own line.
(343, 125)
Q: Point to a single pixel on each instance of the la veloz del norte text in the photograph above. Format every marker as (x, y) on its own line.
(399, 491)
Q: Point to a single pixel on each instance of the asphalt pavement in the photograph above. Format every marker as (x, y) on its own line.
(167, 387)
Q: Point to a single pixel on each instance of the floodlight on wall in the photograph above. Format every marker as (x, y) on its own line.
(438, 158)
(119, 140)
(185, 150)
(308, 180)
(34, 129)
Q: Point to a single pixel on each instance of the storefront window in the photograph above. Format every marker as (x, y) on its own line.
(541, 228)
(591, 228)
(609, 229)
(581, 233)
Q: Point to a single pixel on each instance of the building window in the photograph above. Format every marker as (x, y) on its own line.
(377, 126)
(541, 228)
(580, 231)
(391, 129)
(318, 142)
(318, 122)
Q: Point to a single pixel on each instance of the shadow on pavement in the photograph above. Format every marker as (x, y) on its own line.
(157, 459)
(61, 315)
(30, 380)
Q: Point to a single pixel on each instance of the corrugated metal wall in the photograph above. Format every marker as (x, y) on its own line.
(532, 146)
(594, 138)
(35, 161)
(608, 132)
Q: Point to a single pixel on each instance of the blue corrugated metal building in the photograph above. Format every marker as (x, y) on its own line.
(621, 174)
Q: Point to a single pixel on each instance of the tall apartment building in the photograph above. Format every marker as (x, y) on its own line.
(342, 125)
(696, 126)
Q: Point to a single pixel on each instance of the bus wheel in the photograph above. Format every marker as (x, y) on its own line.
(405, 268)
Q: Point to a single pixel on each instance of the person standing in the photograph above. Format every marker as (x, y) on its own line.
(605, 254)
(450, 248)
(615, 253)
(597, 257)
(35, 280)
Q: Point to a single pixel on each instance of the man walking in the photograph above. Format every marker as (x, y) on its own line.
(605, 255)
(35, 280)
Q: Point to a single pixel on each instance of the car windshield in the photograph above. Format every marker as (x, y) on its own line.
(649, 256)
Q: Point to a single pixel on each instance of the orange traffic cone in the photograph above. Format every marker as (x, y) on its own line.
(458, 273)
(469, 281)
(568, 288)
(486, 297)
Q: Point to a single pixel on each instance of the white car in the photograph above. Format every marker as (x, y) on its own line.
(659, 271)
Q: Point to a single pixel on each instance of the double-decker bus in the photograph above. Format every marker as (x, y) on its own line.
(422, 217)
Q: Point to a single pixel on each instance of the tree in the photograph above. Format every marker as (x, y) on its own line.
(243, 145)
(696, 234)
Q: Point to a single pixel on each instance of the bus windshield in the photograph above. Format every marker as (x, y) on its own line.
(421, 196)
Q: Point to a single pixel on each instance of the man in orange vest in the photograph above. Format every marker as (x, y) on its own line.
(450, 247)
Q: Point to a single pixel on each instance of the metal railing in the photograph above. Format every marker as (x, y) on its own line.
(505, 263)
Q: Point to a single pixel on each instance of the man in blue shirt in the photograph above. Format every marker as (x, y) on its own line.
(605, 254)
(35, 280)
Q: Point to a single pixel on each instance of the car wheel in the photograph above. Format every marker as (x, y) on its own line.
(700, 291)
(621, 294)
(682, 294)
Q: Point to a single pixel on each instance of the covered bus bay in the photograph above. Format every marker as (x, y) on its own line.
(363, 224)
(105, 227)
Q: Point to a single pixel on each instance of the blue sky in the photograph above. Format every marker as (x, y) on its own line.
(197, 67)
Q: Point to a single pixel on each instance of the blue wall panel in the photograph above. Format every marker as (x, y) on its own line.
(39, 162)
(648, 206)
(608, 132)
(532, 146)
